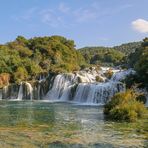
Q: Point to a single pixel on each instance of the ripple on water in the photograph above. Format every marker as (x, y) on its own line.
(44, 124)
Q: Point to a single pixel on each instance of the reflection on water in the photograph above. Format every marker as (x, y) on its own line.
(42, 124)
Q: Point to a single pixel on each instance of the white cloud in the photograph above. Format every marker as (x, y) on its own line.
(94, 12)
(49, 17)
(27, 15)
(64, 8)
(140, 25)
(84, 15)
(65, 15)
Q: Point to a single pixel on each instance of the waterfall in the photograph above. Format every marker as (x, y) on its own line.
(1, 96)
(20, 93)
(61, 87)
(82, 87)
(89, 86)
(121, 75)
(29, 90)
(97, 93)
(39, 91)
(146, 101)
(5, 92)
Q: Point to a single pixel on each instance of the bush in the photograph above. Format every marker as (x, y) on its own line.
(125, 107)
(99, 79)
(141, 98)
(108, 74)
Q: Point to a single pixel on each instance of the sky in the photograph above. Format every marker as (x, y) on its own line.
(87, 22)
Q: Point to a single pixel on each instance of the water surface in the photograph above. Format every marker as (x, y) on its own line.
(60, 125)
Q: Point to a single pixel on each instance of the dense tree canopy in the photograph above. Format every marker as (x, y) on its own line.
(139, 61)
(102, 55)
(24, 59)
(128, 47)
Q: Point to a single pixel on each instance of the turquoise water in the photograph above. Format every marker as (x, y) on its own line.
(44, 124)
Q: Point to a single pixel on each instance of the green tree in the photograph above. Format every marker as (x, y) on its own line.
(21, 74)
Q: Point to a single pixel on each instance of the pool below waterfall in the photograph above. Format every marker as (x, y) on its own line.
(60, 125)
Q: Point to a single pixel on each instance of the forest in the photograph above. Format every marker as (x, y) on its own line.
(24, 59)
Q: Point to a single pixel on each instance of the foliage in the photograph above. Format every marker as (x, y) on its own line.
(125, 107)
(109, 56)
(99, 79)
(139, 61)
(25, 58)
(20, 74)
(141, 98)
(128, 48)
(102, 55)
(108, 73)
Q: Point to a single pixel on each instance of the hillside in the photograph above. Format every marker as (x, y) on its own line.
(25, 59)
(139, 61)
(108, 56)
(128, 48)
(102, 55)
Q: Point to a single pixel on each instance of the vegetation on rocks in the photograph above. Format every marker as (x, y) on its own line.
(99, 79)
(125, 106)
(108, 73)
(139, 61)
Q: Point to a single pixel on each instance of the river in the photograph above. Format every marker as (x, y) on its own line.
(62, 125)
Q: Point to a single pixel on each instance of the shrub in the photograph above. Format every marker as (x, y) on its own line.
(125, 107)
(99, 79)
(108, 73)
(141, 98)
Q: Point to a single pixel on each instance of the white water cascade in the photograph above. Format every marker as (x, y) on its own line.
(20, 93)
(29, 90)
(119, 76)
(81, 87)
(97, 93)
(61, 87)
(89, 86)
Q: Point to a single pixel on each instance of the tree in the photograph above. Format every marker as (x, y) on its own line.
(21, 74)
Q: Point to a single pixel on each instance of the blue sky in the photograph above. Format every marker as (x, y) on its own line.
(88, 22)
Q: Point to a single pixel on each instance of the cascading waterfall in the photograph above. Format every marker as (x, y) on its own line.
(5, 92)
(78, 87)
(29, 90)
(20, 93)
(122, 75)
(1, 96)
(61, 87)
(82, 87)
(97, 93)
